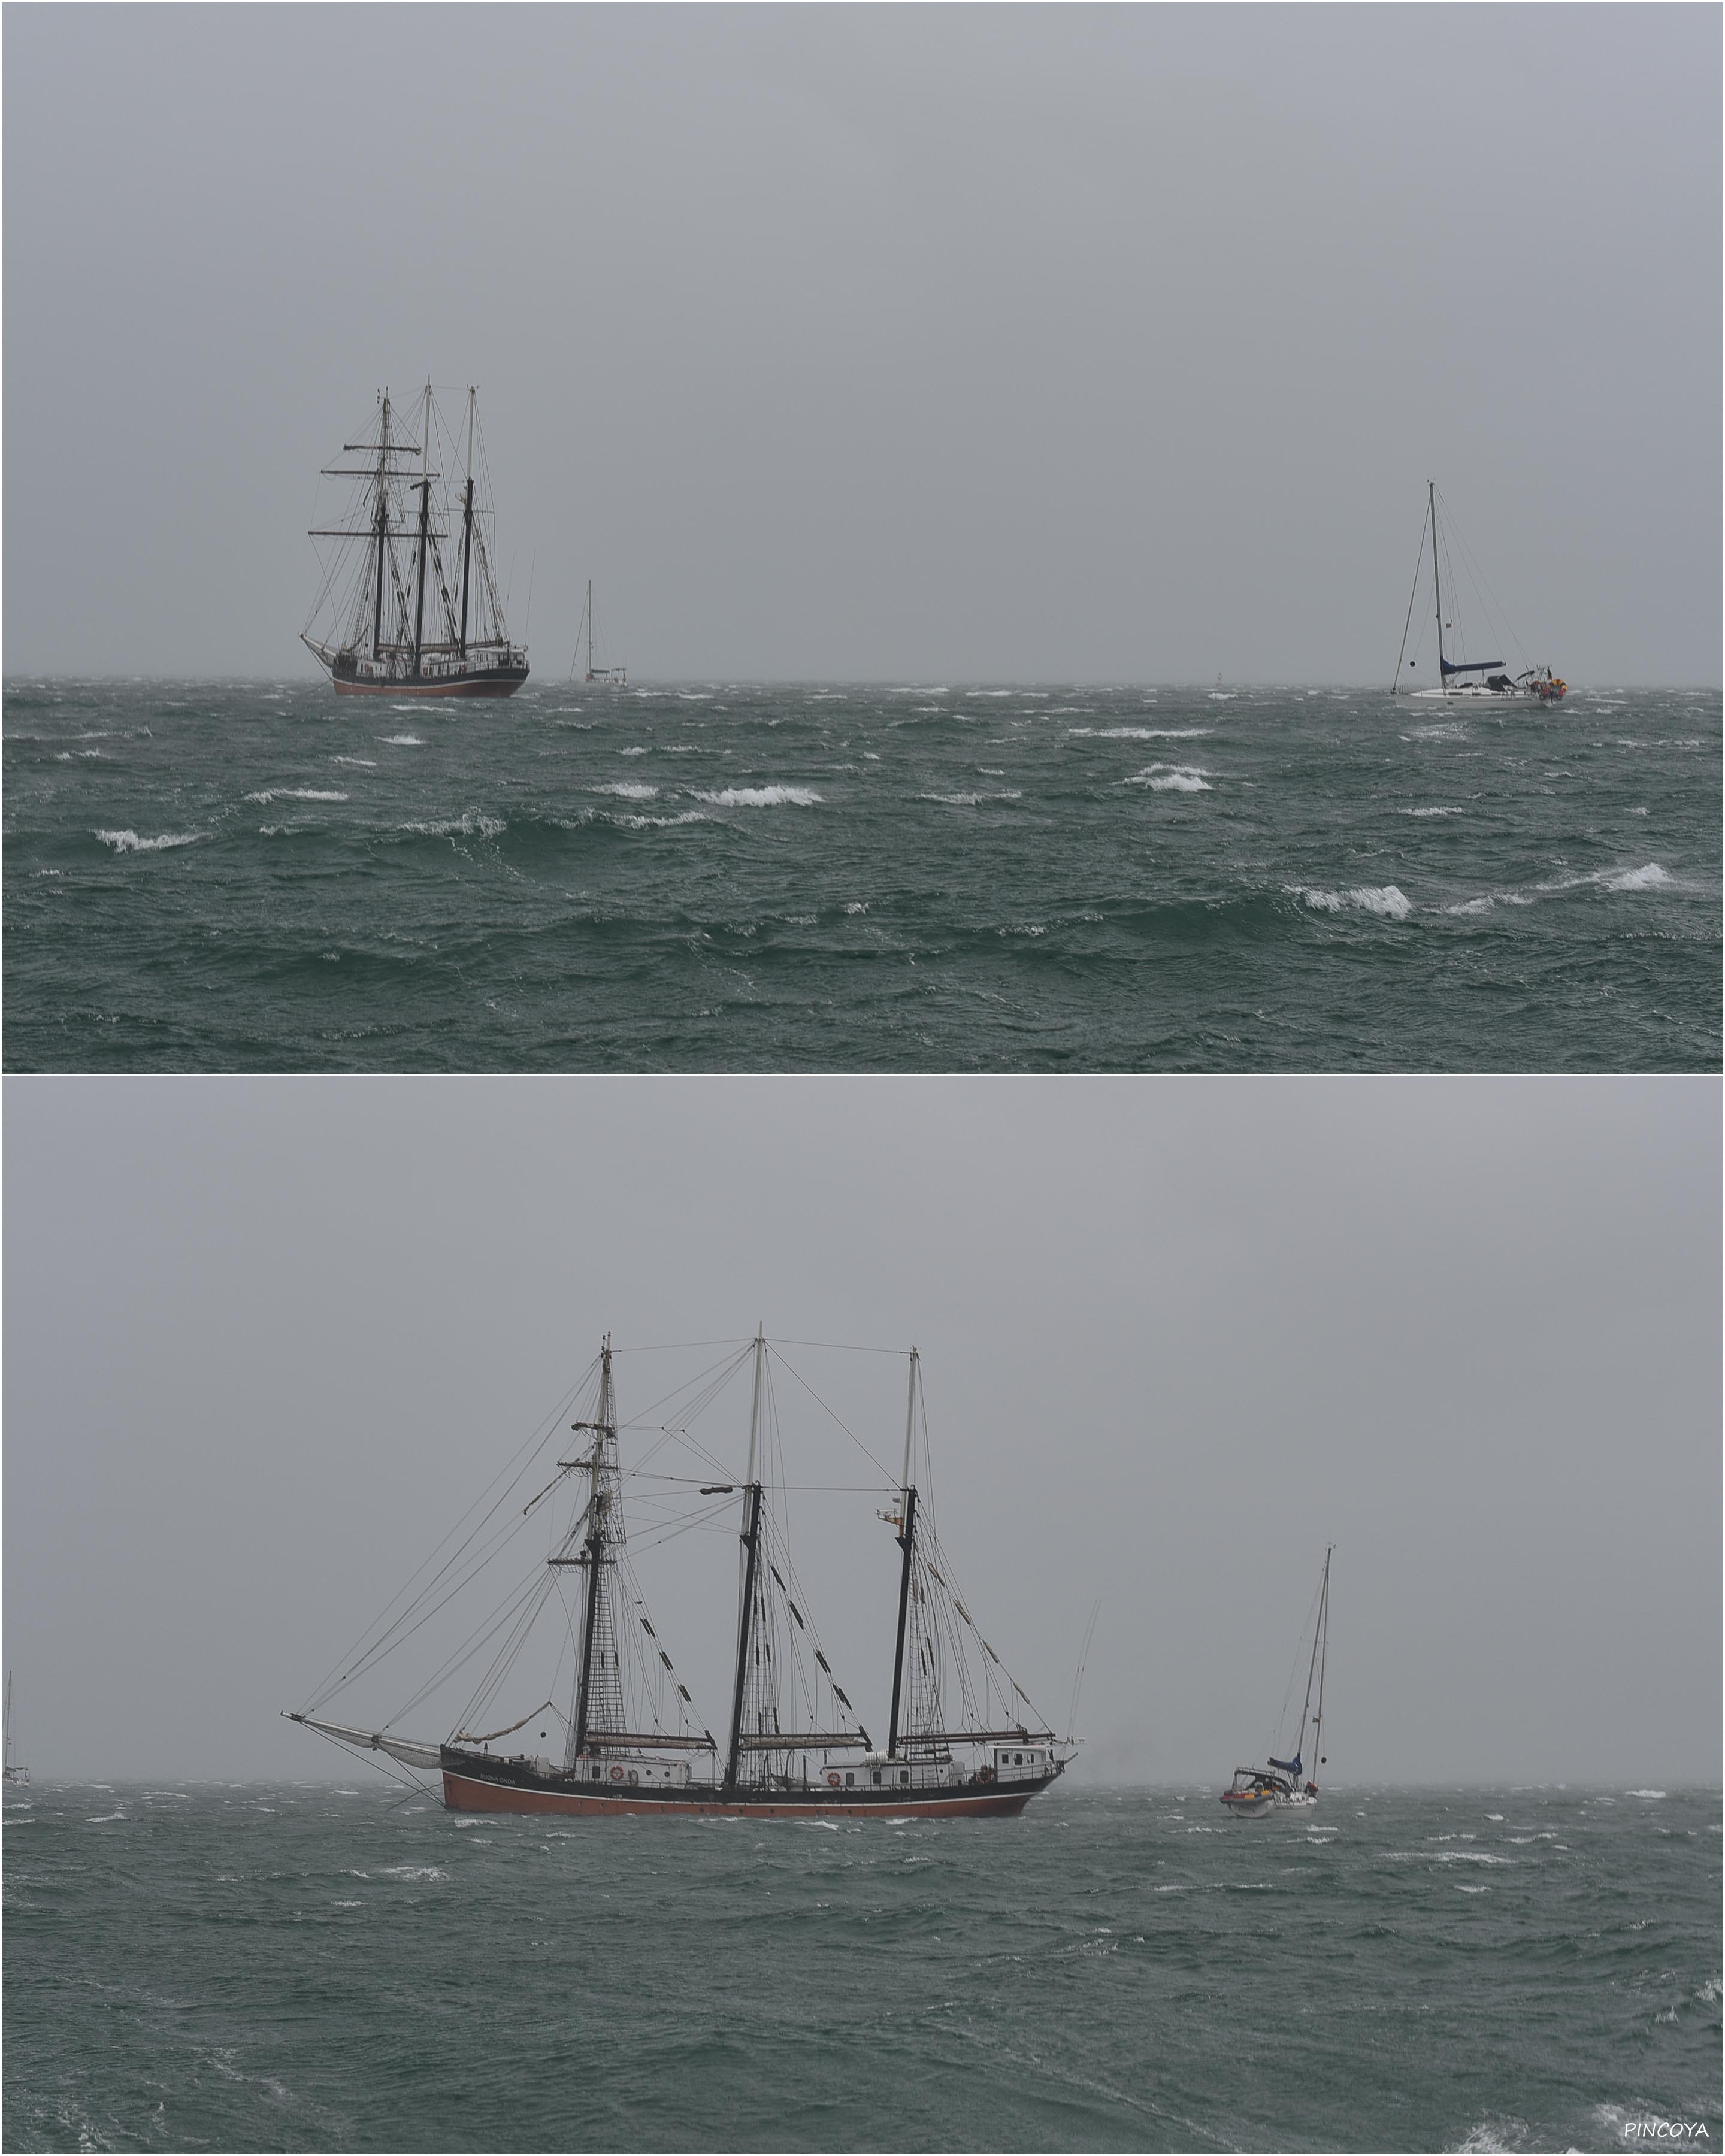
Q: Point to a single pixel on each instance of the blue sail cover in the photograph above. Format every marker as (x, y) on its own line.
(1289, 1766)
(1471, 665)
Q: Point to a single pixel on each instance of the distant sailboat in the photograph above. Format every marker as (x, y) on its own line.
(600, 677)
(1278, 1787)
(19, 1775)
(1536, 682)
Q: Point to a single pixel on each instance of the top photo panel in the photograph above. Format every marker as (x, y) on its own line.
(862, 539)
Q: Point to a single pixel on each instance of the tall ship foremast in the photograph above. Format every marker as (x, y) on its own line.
(394, 613)
(961, 1738)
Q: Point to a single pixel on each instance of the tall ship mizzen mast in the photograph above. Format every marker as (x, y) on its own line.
(962, 1741)
(409, 600)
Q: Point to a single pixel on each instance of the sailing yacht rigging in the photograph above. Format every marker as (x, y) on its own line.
(19, 1776)
(602, 677)
(1537, 683)
(961, 1739)
(393, 613)
(1279, 1787)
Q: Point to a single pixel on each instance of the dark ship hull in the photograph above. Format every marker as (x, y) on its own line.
(472, 1784)
(497, 682)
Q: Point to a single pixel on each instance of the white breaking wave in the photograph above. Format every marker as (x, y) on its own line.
(1434, 812)
(471, 824)
(970, 800)
(630, 790)
(129, 842)
(1643, 879)
(292, 793)
(365, 763)
(1140, 733)
(762, 797)
(1171, 779)
(401, 740)
(1644, 1793)
(662, 822)
(1384, 899)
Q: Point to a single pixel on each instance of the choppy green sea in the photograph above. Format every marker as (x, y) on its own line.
(321, 1968)
(264, 877)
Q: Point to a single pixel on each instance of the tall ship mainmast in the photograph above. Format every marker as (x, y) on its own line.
(961, 1738)
(408, 597)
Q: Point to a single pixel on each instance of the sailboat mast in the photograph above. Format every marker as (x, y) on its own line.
(1323, 1660)
(424, 527)
(382, 521)
(1437, 589)
(1311, 1666)
(906, 1540)
(589, 629)
(8, 1747)
(467, 519)
(595, 1551)
(751, 1545)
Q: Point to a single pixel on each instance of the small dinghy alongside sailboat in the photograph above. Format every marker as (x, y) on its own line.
(1460, 678)
(1283, 1785)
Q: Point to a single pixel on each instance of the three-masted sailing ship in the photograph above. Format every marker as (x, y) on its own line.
(961, 1738)
(1279, 1786)
(408, 599)
(1537, 683)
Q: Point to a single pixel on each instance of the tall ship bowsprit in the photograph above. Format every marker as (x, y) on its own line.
(408, 597)
(573, 1631)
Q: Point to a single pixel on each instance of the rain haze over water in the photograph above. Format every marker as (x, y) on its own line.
(1008, 345)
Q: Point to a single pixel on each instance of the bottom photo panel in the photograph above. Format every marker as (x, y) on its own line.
(864, 1614)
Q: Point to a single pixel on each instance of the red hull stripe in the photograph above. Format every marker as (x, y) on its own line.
(418, 691)
(462, 1793)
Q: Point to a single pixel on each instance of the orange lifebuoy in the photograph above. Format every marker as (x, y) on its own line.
(617, 1773)
(832, 1781)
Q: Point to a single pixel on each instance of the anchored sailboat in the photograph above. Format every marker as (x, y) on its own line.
(1538, 683)
(393, 615)
(19, 1775)
(961, 1739)
(1278, 1787)
(602, 677)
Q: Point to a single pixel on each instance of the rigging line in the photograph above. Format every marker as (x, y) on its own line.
(842, 1346)
(1412, 594)
(368, 1644)
(834, 1488)
(674, 1346)
(825, 1409)
(424, 1616)
(461, 1657)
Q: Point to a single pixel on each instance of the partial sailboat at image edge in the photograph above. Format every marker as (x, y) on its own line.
(1536, 683)
(963, 1740)
(1278, 1787)
(395, 613)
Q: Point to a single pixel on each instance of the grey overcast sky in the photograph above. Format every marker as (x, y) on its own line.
(878, 343)
(267, 1339)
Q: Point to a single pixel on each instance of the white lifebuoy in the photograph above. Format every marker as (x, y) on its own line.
(832, 1781)
(617, 1773)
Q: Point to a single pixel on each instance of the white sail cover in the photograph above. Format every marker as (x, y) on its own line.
(404, 1748)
